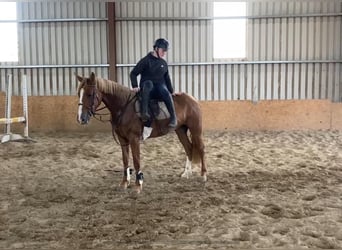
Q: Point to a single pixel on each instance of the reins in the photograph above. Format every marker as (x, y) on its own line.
(96, 114)
(121, 112)
(120, 115)
(115, 121)
(123, 109)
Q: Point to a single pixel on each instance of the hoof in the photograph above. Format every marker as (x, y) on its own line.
(124, 184)
(204, 177)
(186, 174)
(138, 188)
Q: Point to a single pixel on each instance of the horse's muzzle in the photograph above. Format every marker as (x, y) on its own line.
(84, 118)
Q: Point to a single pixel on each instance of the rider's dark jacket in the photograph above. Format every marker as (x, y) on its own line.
(151, 68)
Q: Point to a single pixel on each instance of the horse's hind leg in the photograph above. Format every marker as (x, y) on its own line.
(198, 154)
(183, 138)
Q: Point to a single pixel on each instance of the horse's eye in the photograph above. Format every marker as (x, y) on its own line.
(89, 95)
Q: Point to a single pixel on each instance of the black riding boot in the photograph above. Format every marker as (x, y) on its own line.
(171, 108)
(145, 98)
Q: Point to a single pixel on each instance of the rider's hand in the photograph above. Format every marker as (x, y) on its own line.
(136, 89)
(178, 93)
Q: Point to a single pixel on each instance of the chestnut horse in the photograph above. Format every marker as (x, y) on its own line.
(127, 126)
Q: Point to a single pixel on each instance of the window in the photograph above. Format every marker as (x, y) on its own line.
(230, 33)
(8, 29)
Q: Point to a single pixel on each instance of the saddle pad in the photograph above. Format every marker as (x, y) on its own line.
(159, 111)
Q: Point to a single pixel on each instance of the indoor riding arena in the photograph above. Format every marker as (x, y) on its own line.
(267, 76)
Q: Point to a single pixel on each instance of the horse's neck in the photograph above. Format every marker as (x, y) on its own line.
(115, 104)
(115, 96)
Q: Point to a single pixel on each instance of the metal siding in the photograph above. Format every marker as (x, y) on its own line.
(293, 38)
(276, 38)
(189, 40)
(51, 42)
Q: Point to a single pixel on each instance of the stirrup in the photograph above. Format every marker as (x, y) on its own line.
(173, 124)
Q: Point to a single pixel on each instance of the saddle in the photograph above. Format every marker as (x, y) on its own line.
(156, 108)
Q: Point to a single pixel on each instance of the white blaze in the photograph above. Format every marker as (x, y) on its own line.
(80, 105)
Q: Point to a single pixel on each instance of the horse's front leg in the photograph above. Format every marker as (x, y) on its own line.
(127, 175)
(135, 147)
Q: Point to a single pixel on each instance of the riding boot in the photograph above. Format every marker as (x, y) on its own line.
(171, 108)
(145, 98)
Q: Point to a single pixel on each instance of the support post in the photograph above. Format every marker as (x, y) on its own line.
(111, 40)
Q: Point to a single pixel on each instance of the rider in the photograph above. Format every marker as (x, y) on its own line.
(155, 82)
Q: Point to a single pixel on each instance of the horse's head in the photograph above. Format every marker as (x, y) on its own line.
(89, 98)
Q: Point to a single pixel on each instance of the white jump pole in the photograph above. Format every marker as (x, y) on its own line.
(25, 106)
(8, 120)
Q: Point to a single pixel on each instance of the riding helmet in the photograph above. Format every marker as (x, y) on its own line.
(161, 43)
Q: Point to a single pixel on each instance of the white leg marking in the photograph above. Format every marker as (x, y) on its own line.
(80, 105)
(187, 169)
(128, 176)
(141, 181)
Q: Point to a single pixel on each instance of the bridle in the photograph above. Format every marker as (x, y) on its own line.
(91, 108)
(94, 97)
(94, 112)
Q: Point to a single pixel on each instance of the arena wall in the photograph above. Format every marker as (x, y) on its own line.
(51, 113)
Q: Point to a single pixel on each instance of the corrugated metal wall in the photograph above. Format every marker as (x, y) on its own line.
(312, 34)
(57, 39)
(293, 48)
(140, 23)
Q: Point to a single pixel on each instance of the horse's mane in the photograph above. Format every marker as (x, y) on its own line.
(111, 87)
(108, 87)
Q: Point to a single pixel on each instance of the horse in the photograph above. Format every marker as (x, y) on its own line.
(127, 126)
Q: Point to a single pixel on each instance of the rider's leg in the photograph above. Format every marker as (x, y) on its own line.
(146, 88)
(167, 98)
(171, 108)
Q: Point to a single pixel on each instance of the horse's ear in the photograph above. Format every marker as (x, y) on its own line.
(92, 77)
(79, 78)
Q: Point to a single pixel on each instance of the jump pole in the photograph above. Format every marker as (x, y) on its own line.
(8, 136)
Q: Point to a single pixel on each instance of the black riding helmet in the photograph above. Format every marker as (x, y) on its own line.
(161, 43)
